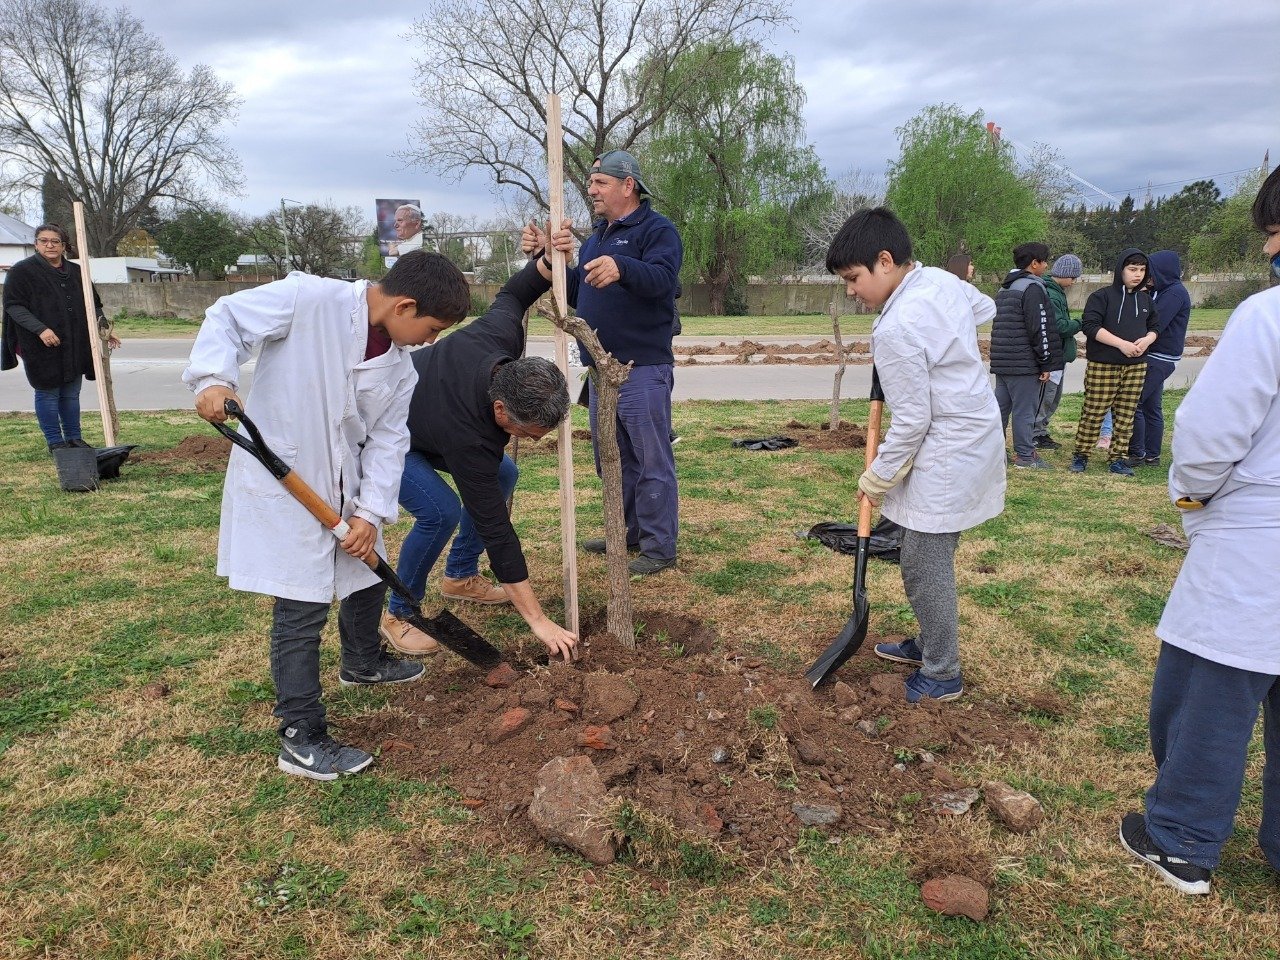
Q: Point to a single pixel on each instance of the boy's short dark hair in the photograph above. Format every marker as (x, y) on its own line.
(864, 235)
(1266, 205)
(1025, 253)
(1134, 258)
(433, 282)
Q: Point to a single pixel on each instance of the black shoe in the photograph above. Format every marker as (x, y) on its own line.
(1046, 443)
(383, 670)
(59, 445)
(1184, 877)
(596, 545)
(318, 756)
(646, 565)
(82, 444)
(1120, 468)
(1079, 463)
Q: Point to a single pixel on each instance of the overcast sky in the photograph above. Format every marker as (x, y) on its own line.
(1159, 93)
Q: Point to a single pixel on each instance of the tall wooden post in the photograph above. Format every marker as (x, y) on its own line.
(564, 446)
(97, 345)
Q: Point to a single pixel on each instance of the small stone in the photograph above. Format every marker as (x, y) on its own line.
(501, 676)
(712, 819)
(754, 663)
(700, 696)
(899, 768)
(956, 896)
(866, 727)
(155, 691)
(428, 698)
(715, 716)
(1020, 812)
(849, 715)
(810, 753)
(390, 746)
(816, 814)
(596, 738)
(709, 789)
(690, 724)
(568, 706)
(927, 757)
(510, 723)
(720, 755)
(609, 697)
(845, 695)
(955, 803)
(474, 803)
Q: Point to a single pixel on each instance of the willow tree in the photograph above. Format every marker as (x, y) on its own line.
(955, 186)
(729, 164)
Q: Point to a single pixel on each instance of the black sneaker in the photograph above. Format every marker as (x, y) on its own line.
(1046, 443)
(318, 756)
(646, 565)
(1079, 463)
(383, 670)
(1184, 877)
(1120, 468)
(596, 545)
(81, 444)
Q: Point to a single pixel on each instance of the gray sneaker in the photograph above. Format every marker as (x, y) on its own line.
(1032, 463)
(318, 756)
(644, 565)
(383, 670)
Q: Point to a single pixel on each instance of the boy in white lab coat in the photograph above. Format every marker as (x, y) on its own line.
(946, 423)
(1220, 631)
(330, 394)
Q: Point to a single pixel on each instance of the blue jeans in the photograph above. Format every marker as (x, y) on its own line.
(650, 498)
(1202, 718)
(437, 510)
(58, 412)
(1148, 422)
(295, 650)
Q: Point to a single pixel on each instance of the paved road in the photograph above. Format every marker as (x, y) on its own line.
(147, 374)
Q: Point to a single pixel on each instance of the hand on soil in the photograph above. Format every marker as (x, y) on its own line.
(558, 641)
(360, 541)
(210, 403)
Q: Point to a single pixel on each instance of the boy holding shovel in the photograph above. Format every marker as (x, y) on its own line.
(330, 395)
(941, 466)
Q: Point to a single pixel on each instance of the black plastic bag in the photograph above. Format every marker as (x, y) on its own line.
(885, 543)
(111, 459)
(766, 443)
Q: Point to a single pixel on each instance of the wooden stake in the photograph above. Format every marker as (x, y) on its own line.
(833, 422)
(564, 447)
(97, 345)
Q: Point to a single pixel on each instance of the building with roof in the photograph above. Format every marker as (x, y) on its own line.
(17, 242)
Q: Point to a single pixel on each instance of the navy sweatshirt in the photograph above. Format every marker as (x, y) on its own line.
(1173, 307)
(1124, 313)
(451, 416)
(634, 316)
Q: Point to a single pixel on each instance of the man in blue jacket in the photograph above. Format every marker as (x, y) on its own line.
(624, 287)
(1173, 313)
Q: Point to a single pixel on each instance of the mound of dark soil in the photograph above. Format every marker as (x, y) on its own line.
(719, 743)
(206, 453)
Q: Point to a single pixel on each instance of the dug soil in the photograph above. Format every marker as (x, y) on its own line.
(203, 453)
(714, 740)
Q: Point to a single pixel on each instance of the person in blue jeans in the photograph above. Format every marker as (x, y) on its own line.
(1173, 313)
(1219, 659)
(45, 324)
(475, 391)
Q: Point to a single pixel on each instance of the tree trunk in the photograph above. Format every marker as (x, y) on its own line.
(834, 420)
(608, 377)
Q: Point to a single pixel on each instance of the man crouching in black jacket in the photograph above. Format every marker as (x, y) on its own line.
(1025, 348)
(474, 392)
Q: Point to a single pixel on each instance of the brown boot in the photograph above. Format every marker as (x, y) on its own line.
(403, 637)
(474, 588)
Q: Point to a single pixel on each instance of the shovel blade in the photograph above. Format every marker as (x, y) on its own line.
(844, 646)
(458, 637)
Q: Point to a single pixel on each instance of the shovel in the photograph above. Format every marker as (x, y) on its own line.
(855, 629)
(445, 627)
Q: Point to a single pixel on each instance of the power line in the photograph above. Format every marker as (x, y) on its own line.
(1174, 183)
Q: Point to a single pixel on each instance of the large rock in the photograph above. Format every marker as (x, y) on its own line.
(956, 896)
(1019, 812)
(609, 697)
(570, 808)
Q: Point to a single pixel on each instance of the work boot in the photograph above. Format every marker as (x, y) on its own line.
(596, 545)
(304, 753)
(403, 637)
(646, 565)
(1184, 877)
(475, 588)
(384, 670)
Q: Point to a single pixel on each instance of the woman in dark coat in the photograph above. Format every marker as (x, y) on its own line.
(45, 325)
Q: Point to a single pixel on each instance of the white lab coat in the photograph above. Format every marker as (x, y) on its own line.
(337, 419)
(925, 347)
(1225, 604)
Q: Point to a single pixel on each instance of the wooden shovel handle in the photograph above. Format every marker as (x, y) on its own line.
(873, 444)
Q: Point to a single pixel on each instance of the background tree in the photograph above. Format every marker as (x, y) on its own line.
(1229, 241)
(853, 191)
(323, 239)
(485, 69)
(206, 240)
(137, 243)
(729, 164)
(88, 94)
(954, 187)
(1185, 214)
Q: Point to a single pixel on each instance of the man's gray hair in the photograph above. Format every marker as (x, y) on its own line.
(416, 211)
(533, 390)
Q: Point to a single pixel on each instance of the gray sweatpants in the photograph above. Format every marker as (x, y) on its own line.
(929, 575)
(1019, 399)
(1048, 407)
